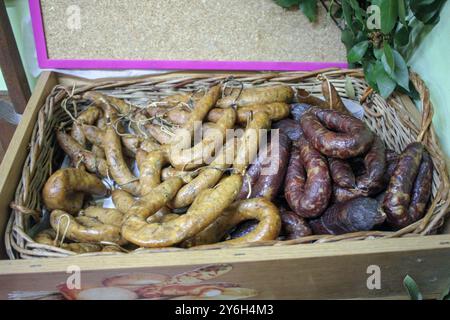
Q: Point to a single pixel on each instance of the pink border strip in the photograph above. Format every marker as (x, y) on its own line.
(46, 63)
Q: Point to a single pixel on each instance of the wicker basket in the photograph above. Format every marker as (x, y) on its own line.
(397, 121)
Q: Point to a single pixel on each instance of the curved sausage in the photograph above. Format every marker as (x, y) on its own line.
(421, 191)
(342, 173)
(276, 111)
(360, 214)
(289, 127)
(335, 134)
(118, 167)
(293, 226)
(207, 207)
(89, 116)
(259, 95)
(77, 154)
(308, 193)
(372, 182)
(273, 169)
(259, 209)
(66, 188)
(85, 229)
(398, 195)
(305, 97)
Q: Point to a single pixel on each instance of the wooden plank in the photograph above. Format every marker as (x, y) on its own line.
(11, 167)
(11, 64)
(326, 271)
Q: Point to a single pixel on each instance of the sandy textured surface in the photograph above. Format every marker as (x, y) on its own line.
(247, 30)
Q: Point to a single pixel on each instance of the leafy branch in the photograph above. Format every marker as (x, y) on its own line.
(379, 35)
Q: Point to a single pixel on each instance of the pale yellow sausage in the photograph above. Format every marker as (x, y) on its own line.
(207, 207)
(260, 95)
(66, 189)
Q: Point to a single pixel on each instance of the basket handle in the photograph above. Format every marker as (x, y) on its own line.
(427, 107)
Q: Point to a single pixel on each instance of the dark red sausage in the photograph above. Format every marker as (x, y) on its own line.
(289, 127)
(250, 178)
(308, 182)
(360, 214)
(273, 169)
(293, 226)
(421, 191)
(398, 195)
(343, 195)
(342, 173)
(372, 182)
(335, 134)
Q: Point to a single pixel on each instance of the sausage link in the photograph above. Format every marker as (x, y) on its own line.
(289, 127)
(398, 195)
(252, 96)
(307, 196)
(372, 182)
(421, 191)
(293, 226)
(259, 209)
(360, 214)
(336, 134)
(342, 173)
(305, 97)
(273, 169)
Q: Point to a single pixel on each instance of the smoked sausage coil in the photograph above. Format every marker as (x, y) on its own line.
(335, 134)
(421, 191)
(293, 226)
(372, 182)
(259, 209)
(289, 127)
(273, 169)
(308, 182)
(360, 214)
(398, 196)
(341, 173)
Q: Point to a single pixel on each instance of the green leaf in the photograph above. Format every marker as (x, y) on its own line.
(427, 11)
(349, 89)
(389, 15)
(401, 37)
(401, 74)
(387, 58)
(369, 73)
(402, 12)
(412, 288)
(347, 38)
(358, 51)
(378, 53)
(309, 8)
(347, 13)
(386, 85)
(287, 3)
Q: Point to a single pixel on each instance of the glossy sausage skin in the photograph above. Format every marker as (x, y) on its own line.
(293, 226)
(372, 182)
(308, 182)
(289, 127)
(360, 214)
(398, 195)
(273, 169)
(298, 109)
(421, 191)
(336, 134)
(341, 173)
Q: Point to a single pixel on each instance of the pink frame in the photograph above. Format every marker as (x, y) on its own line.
(46, 63)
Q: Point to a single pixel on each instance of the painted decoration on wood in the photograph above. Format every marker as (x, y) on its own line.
(198, 284)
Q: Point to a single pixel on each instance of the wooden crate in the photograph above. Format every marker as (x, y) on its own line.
(340, 270)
